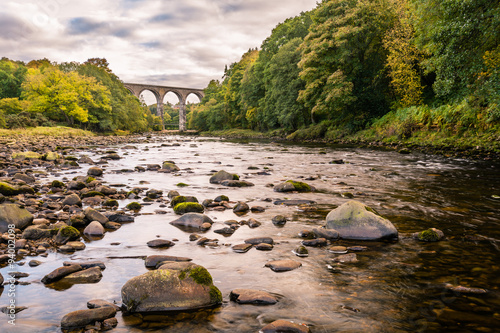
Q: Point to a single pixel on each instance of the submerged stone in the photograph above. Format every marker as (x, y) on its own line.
(283, 265)
(251, 296)
(281, 326)
(356, 221)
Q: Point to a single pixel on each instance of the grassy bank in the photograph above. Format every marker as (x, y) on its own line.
(56, 132)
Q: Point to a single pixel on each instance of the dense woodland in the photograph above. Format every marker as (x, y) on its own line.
(379, 67)
(88, 96)
(393, 66)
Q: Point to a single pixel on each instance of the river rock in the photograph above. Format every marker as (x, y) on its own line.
(160, 243)
(328, 234)
(100, 303)
(259, 240)
(236, 183)
(241, 207)
(86, 264)
(283, 265)
(169, 166)
(94, 229)
(89, 275)
(279, 220)
(253, 223)
(317, 242)
(242, 248)
(429, 235)
(72, 200)
(294, 202)
(35, 232)
(24, 177)
(264, 247)
(353, 220)
(301, 251)
(188, 207)
(153, 261)
(222, 176)
(227, 231)
(284, 326)
(60, 272)
(192, 220)
(171, 290)
(251, 296)
(93, 215)
(346, 258)
(13, 214)
(66, 234)
(291, 185)
(82, 318)
(94, 172)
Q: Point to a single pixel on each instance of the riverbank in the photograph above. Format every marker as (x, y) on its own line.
(480, 146)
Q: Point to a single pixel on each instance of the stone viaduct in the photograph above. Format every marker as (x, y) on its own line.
(160, 91)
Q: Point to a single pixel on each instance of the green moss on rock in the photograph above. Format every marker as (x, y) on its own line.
(8, 190)
(111, 203)
(26, 155)
(215, 295)
(201, 276)
(428, 235)
(92, 194)
(188, 207)
(57, 183)
(236, 177)
(300, 186)
(134, 206)
(177, 200)
(70, 232)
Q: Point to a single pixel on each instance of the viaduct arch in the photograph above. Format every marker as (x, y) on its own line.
(160, 91)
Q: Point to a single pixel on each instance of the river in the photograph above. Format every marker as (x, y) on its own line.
(394, 287)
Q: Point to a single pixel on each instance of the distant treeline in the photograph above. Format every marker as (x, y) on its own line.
(396, 65)
(88, 96)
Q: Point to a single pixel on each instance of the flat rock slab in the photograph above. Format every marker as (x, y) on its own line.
(283, 265)
(86, 264)
(264, 247)
(259, 240)
(294, 202)
(242, 248)
(82, 318)
(153, 261)
(60, 272)
(160, 243)
(281, 326)
(318, 242)
(251, 296)
(89, 275)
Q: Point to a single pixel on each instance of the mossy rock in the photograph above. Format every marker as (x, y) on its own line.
(221, 198)
(51, 156)
(188, 207)
(291, 185)
(182, 185)
(222, 175)
(111, 203)
(236, 177)
(31, 155)
(169, 166)
(92, 194)
(67, 234)
(57, 183)
(430, 235)
(177, 200)
(134, 206)
(89, 179)
(300, 186)
(8, 190)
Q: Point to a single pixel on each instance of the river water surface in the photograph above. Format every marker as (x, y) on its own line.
(394, 287)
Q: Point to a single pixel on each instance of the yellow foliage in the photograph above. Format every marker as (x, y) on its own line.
(403, 58)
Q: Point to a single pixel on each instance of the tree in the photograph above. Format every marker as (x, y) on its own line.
(12, 75)
(343, 62)
(404, 57)
(67, 96)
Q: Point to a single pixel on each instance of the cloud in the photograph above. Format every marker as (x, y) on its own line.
(175, 43)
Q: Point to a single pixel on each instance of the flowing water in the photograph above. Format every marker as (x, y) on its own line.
(394, 287)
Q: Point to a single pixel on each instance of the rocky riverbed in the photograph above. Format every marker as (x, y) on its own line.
(193, 234)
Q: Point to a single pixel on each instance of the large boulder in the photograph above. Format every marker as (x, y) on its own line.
(171, 290)
(35, 232)
(356, 221)
(221, 176)
(192, 220)
(11, 214)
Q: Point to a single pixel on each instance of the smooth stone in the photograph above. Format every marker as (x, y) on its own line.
(72, 200)
(152, 261)
(241, 207)
(253, 223)
(317, 242)
(346, 258)
(86, 264)
(242, 248)
(60, 272)
(264, 247)
(77, 245)
(225, 231)
(279, 220)
(93, 215)
(294, 202)
(356, 221)
(283, 265)
(328, 234)
(177, 265)
(257, 209)
(236, 183)
(89, 275)
(34, 263)
(284, 326)
(251, 296)
(82, 318)
(160, 243)
(94, 172)
(259, 240)
(338, 249)
(94, 229)
(192, 220)
(12, 214)
(99, 303)
(357, 248)
(220, 177)
(66, 249)
(301, 251)
(170, 290)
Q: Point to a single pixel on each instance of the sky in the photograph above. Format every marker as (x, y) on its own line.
(179, 43)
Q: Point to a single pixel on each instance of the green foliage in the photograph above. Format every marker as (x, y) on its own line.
(12, 75)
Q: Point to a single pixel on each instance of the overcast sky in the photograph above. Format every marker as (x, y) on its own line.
(183, 43)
